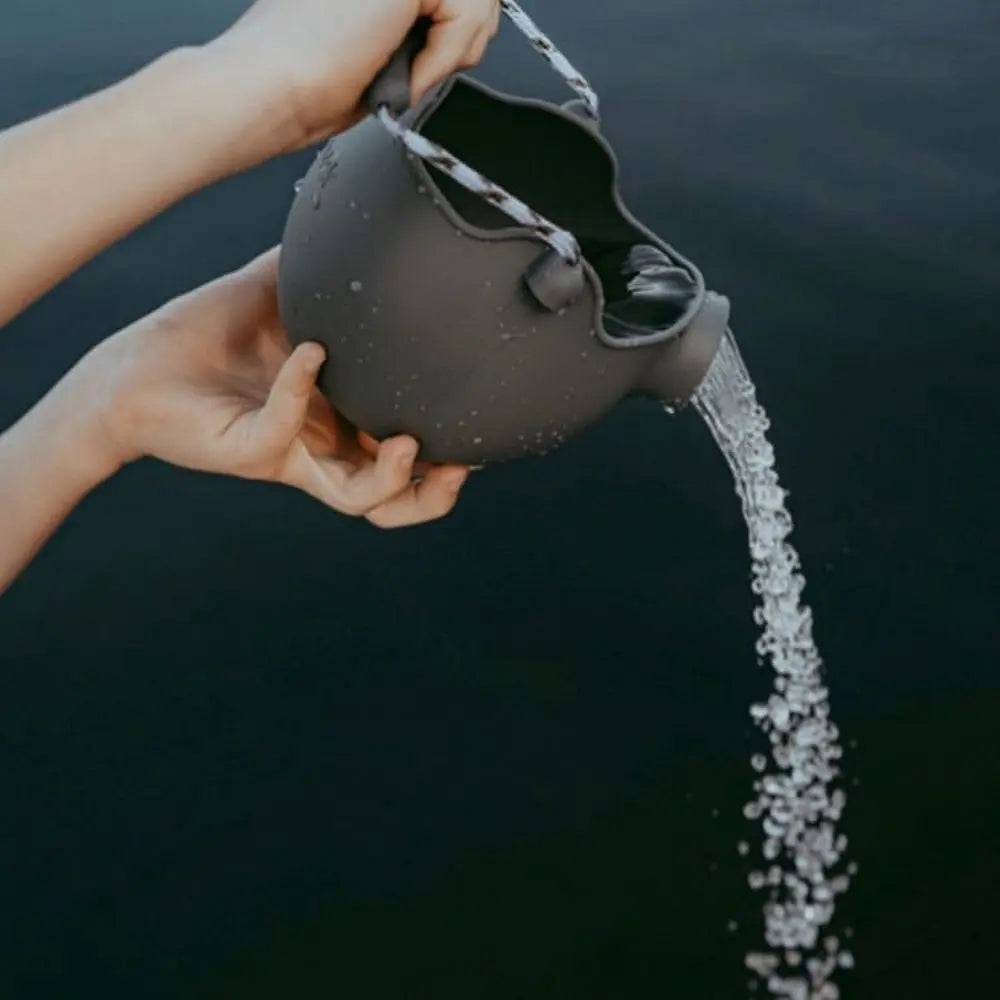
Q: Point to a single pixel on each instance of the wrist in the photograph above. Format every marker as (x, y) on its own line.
(104, 390)
(49, 461)
(256, 108)
(217, 111)
(63, 439)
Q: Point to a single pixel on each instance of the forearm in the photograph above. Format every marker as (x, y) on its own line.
(49, 460)
(80, 178)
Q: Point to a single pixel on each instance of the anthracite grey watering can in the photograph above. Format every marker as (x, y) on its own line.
(475, 277)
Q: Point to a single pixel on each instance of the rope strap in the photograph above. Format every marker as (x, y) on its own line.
(561, 240)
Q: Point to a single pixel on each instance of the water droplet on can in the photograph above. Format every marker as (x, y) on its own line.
(356, 286)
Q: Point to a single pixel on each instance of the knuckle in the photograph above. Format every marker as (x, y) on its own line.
(354, 507)
(382, 520)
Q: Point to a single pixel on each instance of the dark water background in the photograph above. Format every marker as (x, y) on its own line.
(251, 748)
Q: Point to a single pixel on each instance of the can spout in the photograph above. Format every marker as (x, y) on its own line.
(678, 366)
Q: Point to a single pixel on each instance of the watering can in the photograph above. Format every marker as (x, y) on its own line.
(452, 258)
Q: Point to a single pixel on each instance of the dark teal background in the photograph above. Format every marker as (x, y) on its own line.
(250, 748)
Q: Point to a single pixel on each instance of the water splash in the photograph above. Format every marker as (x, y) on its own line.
(797, 799)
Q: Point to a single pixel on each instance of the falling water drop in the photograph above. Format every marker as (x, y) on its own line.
(797, 800)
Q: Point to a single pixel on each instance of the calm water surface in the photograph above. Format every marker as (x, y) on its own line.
(249, 748)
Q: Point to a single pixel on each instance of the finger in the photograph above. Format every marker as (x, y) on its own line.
(279, 421)
(444, 54)
(247, 298)
(368, 443)
(264, 267)
(356, 489)
(241, 297)
(430, 499)
(477, 49)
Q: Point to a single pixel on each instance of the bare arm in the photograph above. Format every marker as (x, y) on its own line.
(72, 182)
(49, 460)
(207, 382)
(285, 75)
(80, 178)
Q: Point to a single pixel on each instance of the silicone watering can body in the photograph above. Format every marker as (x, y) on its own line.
(444, 318)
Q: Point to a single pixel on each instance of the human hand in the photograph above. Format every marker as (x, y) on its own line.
(210, 382)
(316, 58)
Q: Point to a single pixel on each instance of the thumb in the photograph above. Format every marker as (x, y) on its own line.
(446, 52)
(281, 418)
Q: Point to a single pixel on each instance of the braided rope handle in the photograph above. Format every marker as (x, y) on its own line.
(561, 240)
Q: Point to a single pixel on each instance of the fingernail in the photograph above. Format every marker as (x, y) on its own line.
(407, 454)
(314, 359)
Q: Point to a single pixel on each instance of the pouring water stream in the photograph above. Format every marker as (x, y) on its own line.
(797, 795)
(797, 798)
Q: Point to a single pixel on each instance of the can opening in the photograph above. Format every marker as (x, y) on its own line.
(555, 165)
